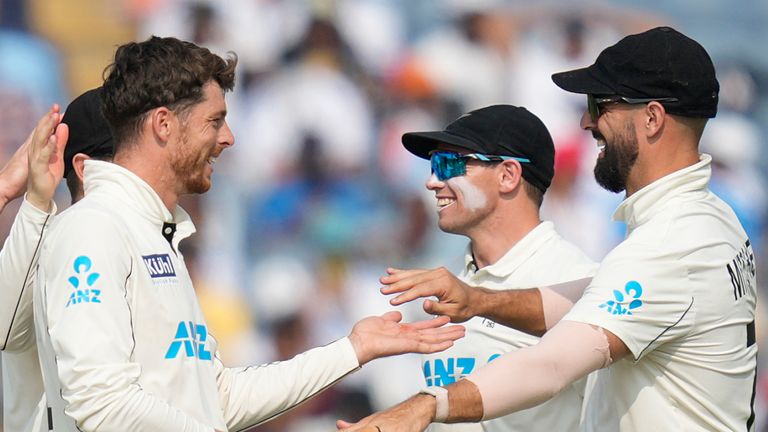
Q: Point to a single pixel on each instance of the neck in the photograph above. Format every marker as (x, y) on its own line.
(660, 159)
(157, 177)
(499, 235)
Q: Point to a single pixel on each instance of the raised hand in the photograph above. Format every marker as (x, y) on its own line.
(413, 415)
(13, 176)
(457, 300)
(385, 335)
(46, 158)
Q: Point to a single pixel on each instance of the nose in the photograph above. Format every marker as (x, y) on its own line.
(226, 137)
(433, 183)
(586, 122)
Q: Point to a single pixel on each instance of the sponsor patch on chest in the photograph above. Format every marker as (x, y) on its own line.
(159, 266)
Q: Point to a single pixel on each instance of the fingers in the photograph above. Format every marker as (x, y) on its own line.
(429, 324)
(393, 316)
(419, 291)
(341, 424)
(62, 137)
(443, 334)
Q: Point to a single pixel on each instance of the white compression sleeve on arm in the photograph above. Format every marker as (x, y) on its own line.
(525, 378)
(557, 300)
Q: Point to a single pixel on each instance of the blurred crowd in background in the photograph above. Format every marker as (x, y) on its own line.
(317, 197)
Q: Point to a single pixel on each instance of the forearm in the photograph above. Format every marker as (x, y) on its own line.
(525, 378)
(519, 309)
(254, 395)
(533, 311)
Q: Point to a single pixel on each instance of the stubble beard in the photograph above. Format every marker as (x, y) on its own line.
(190, 168)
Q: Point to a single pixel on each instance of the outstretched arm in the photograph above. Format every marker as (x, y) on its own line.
(254, 395)
(517, 380)
(532, 310)
(383, 336)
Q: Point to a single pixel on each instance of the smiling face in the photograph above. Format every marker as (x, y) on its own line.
(617, 141)
(464, 201)
(204, 135)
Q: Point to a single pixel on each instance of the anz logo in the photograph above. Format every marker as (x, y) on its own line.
(159, 266)
(624, 302)
(82, 281)
(191, 337)
(443, 371)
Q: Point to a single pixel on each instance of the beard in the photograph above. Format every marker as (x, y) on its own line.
(191, 166)
(612, 169)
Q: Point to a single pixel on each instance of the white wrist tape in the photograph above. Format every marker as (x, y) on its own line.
(441, 402)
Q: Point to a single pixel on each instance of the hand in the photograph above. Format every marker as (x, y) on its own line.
(413, 415)
(383, 336)
(457, 299)
(46, 159)
(13, 176)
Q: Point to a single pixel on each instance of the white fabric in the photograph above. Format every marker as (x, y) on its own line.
(129, 349)
(526, 378)
(540, 258)
(22, 380)
(680, 292)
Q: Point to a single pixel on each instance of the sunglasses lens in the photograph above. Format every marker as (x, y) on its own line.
(594, 112)
(446, 165)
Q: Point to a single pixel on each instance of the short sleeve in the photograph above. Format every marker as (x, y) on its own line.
(640, 295)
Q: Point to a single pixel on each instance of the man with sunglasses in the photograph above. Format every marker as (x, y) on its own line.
(490, 170)
(671, 309)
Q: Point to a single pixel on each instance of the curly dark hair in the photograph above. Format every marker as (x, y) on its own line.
(158, 72)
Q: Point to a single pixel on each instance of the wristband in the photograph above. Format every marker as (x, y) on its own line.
(441, 402)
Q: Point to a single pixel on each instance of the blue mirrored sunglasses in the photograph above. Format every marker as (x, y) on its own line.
(447, 165)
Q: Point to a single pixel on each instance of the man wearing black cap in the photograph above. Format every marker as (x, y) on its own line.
(671, 309)
(37, 168)
(490, 170)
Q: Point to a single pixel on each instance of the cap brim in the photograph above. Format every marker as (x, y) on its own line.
(422, 143)
(581, 81)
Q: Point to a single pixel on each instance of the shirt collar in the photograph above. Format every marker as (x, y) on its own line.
(516, 256)
(645, 203)
(131, 190)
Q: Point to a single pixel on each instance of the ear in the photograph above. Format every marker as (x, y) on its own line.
(162, 122)
(510, 175)
(78, 164)
(655, 116)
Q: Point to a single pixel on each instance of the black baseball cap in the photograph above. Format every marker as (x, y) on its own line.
(658, 63)
(499, 130)
(88, 129)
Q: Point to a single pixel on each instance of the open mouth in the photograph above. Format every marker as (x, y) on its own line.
(442, 203)
(211, 160)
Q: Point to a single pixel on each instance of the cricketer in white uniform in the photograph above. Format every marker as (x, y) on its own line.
(680, 292)
(532, 253)
(122, 340)
(23, 403)
(120, 326)
(541, 258)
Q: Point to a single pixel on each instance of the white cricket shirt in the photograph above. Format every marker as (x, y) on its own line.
(23, 407)
(122, 341)
(680, 292)
(541, 258)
